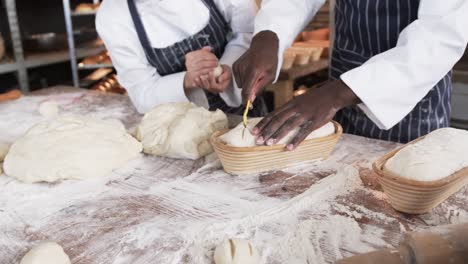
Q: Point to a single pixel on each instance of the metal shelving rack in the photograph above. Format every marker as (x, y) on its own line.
(69, 14)
(21, 62)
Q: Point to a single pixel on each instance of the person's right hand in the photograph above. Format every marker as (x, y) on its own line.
(198, 63)
(257, 67)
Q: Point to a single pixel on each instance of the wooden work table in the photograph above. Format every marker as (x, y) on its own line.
(159, 210)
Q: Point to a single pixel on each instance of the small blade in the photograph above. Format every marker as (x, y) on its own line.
(246, 112)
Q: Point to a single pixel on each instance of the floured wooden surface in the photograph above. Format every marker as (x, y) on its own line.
(156, 210)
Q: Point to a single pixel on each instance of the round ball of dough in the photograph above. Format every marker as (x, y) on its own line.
(48, 109)
(218, 71)
(236, 251)
(70, 147)
(46, 253)
(179, 130)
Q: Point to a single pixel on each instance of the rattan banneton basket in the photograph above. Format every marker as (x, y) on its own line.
(416, 197)
(241, 161)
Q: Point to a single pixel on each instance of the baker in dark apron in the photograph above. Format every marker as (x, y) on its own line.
(364, 28)
(171, 59)
(431, 113)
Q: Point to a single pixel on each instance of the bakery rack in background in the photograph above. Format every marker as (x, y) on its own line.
(94, 61)
(20, 59)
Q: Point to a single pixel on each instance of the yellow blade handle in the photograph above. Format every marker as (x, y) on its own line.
(246, 111)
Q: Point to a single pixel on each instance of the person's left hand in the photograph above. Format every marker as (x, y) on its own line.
(215, 84)
(309, 111)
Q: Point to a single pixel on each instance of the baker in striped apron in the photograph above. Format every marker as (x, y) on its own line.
(356, 42)
(171, 59)
(390, 77)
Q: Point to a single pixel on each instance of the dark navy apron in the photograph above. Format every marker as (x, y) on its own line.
(365, 28)
(171, 59)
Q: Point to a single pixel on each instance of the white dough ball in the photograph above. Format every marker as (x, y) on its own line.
(237, 137)
(46, 253)
(179, 130)
(48, 109)
(218, 71)
(236, 251)
(70, 147)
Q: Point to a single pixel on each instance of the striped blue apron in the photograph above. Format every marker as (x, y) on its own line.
(365, 28)
(171, 59)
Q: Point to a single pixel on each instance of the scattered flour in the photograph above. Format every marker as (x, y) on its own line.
(157, 210)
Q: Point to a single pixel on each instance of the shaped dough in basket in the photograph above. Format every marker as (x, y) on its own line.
(234, 137)
(438, 155)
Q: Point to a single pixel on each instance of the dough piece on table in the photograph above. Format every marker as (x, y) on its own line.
(70, 147)
(179, 130)
(440, 154)
(234, 136)
(236, 251)
(48, 109)
(46, 253)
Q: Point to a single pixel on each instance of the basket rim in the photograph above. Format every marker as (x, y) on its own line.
(378, 167)
(217, 143)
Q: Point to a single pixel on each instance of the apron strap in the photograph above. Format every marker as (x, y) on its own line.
(141, 32)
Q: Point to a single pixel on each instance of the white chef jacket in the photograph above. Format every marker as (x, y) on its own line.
(426, 51)
(167, 22)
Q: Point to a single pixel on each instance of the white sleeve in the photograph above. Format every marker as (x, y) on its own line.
(287, 18)
(390, 84)
(144, 85)
(240, 14)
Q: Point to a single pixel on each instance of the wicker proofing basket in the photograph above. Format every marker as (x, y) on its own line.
(249, 160)
(416, 197)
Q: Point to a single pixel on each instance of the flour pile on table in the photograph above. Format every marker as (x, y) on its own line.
(70, 147)
(237, 137)
(48, 109)
(180, 130)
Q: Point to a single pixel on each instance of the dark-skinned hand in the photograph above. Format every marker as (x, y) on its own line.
(256, 68)
(308, 111)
